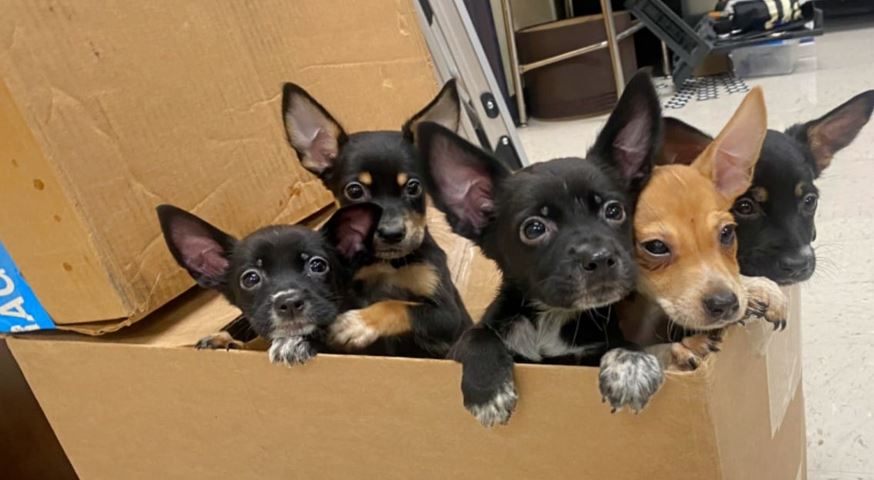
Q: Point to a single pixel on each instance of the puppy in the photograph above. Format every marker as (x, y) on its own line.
(561, 233)
(775, 216)
(407, 290)
(289, 281)
(686, 248)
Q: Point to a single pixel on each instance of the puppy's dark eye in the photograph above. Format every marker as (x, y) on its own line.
(532, 230)
(726, 235)
(250, 279)
(656, 248)
(614, 211)
(413, 188)
(318, 266)
(745, 207)
(809, 203)
(355, 191)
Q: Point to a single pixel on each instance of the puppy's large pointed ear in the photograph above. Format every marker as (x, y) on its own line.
(731, 159)
(835, 130)
(682, 144)
(312, 131)
(350, 230)
(198, 247)
(462, 179)
(629, 140)
(444, 110)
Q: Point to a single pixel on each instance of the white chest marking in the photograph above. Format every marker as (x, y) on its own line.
(544, 340)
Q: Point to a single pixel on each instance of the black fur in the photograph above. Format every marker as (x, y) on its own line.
(553, 305)
(775, 234)
(289, 281)
(385, 168)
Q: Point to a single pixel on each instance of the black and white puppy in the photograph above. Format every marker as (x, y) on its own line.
(775, 217)
(409, 304)
(561, 233)
(289, 281)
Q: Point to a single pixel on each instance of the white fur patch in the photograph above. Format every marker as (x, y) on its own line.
(290, 350)
(544, 340)
(629, 378)
(496, 411)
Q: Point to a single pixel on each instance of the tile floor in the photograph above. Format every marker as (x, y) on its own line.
(838, 302)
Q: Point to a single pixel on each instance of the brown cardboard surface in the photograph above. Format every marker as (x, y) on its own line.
(115, 107)
(195, 414)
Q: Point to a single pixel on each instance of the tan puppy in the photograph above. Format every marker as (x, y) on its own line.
(686, 248)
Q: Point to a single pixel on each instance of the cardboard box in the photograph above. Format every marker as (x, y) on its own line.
(110, 108)
(141, 403)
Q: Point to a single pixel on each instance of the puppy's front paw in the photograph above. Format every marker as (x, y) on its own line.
(498, 409)
(629, 378)
(765, 300)
(688, 353)
(291, 350)
(216, 341)
(351, 331)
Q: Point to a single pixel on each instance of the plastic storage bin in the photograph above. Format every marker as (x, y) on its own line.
(773, 58)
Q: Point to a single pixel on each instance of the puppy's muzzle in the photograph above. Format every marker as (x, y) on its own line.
(721, 305)
(392, 232)
(595, 260)
(797, 266)
(289, 304)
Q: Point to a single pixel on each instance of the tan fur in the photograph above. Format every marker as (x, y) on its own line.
(759, 194)
(357, 329)
(220, 340)
(402, 179)
(420, 279)
(365, 178)
(799, 189)
(686, 207)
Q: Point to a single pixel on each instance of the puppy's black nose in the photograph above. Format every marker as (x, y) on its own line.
(721, 305)
(594, 258)
(391, 233)
(289, 302)
(796, 263)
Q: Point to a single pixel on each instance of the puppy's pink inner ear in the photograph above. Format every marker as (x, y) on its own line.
(465, 188)
(352, 232)
(732, 174)
(323, 150)
(632, 145)
(200, 253)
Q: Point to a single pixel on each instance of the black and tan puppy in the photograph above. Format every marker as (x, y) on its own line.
(561, 233)
(406, 289)
(775, 217)
(290, 282)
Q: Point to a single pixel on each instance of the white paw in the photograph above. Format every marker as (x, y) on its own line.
(291, 350)
(350, 332)
(629, 378)
(496, 411)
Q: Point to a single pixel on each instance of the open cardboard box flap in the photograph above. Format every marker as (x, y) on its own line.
(107, 110)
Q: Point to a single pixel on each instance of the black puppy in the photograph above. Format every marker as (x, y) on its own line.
(289, 281)
(561, 233)
(408, 296)
(775, 217)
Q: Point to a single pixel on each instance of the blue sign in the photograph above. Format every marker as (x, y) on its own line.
(20, 311)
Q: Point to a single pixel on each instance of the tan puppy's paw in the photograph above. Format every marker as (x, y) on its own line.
(218, 341)
(352, 331)
(688, 353)
(765, 300)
